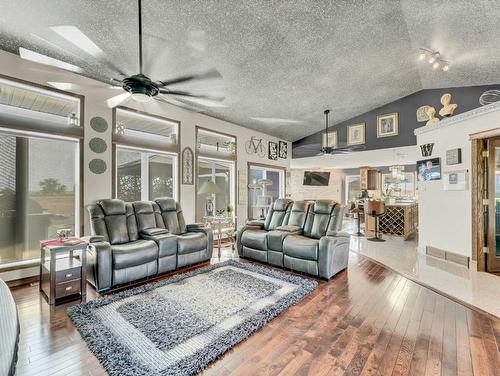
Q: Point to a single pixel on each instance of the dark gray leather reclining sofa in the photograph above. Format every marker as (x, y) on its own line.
(303, 236)
(132, 241)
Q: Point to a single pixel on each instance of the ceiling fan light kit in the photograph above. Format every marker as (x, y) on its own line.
(434, 58)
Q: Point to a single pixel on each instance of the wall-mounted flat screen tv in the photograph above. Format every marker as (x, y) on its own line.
(429, 169)
(317, 178)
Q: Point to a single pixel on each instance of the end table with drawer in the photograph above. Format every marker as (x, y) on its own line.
(63, 271)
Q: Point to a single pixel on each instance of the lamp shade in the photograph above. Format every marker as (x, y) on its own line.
(208, 188)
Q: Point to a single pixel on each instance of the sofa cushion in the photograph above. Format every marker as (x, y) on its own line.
(191, 242)
(134, 253)
(302, 247)
(255, 238)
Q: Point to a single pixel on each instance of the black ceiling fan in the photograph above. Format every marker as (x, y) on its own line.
(340, 147)
(142, 88)
(325, 148)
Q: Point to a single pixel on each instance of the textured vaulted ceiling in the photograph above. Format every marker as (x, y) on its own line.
(279, 59)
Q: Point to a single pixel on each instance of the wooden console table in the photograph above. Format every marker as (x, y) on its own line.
(399, 219)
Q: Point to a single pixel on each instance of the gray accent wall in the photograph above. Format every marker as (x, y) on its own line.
(467, 99)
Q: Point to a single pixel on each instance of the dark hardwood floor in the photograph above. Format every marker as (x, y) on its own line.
(368, 320)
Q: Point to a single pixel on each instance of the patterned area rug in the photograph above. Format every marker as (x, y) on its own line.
(179, 325)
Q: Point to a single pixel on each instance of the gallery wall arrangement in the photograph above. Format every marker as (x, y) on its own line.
(392, 124)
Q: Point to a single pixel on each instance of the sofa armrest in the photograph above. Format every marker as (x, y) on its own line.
(92, 238)
(255, 223)
(154, 231)
(333, 254)
(289, 228)
(338, 234)
(198, 227)
(100, 265)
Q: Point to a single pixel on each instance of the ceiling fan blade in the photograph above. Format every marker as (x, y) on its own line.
(47, 60)
(117, 99)
(212, 73)
(186, 94)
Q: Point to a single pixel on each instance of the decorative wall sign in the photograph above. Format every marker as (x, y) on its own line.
(456, 180)
(356, 134)
(272, 152)
(453, 156)
(97, 166)
(98, 145)
(283, 149)
(99, 124)
(426, 149)
(187, 166)
(387, 125)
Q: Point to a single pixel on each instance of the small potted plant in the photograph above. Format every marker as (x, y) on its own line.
(229, 210)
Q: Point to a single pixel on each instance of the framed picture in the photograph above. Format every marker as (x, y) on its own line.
(387, 125)
(429, 169)
(332, 139)
(456, 180)
(356, 134)
(283, 150)
(453, 156)
(272, 151)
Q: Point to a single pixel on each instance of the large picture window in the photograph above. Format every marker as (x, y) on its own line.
(145, 174)
(39, 192)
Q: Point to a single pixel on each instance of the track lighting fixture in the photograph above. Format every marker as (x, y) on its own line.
(434, 58)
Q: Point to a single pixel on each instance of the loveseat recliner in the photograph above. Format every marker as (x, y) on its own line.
(133, 241)
(303, 236)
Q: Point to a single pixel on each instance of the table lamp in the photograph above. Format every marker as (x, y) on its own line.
(209, 188)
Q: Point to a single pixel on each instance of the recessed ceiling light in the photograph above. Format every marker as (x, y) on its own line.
(63, 85)
(44, 59)
(74, 35)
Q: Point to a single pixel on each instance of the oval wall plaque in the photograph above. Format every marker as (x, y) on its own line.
(97, 166)
(98, 145)
(99, 124)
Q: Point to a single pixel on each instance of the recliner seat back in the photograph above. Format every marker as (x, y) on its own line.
(277, 214)
(114, 220)
(320, 218)
(171, 213)
(148, 215)
(297, 213)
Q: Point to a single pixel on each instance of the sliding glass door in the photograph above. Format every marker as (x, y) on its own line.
(39, 192)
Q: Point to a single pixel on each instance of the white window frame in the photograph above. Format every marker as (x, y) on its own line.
(145, 154)
(232, 177)
(39, 135)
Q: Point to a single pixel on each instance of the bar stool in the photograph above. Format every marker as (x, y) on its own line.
(375, 209)
(357, 212)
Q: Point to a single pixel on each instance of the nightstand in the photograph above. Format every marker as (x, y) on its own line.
(63, 271)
